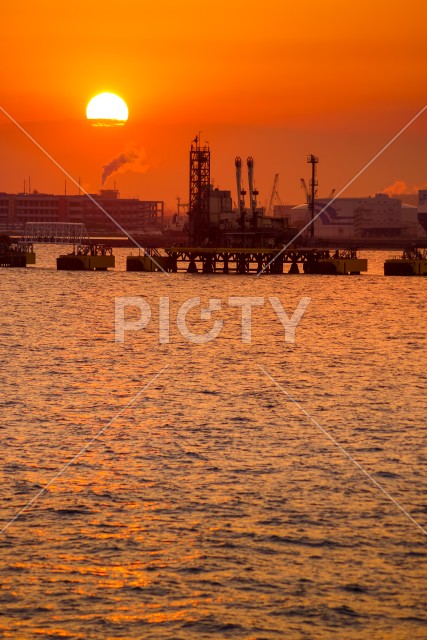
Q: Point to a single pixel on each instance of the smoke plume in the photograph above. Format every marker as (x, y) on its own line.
(401, 188)
(132, 160)
(398, 188)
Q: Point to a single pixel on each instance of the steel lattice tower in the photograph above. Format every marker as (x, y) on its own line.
(200, 179)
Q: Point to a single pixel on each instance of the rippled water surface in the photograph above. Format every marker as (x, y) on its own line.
(226, 500)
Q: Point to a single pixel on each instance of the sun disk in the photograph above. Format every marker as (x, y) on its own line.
(107, 109)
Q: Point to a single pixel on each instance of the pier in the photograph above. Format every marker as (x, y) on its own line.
(15, 254)
(86, 255)
(413, 262)
(252, 261)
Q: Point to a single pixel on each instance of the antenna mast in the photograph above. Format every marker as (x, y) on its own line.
(313, 160)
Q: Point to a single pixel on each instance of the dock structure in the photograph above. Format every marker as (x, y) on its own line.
(149, 260)
(88, 257)
(251, 261)
(15, 254)
(86, 254)
(413, 262)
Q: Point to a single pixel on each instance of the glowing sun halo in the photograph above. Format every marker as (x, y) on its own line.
(107, 109)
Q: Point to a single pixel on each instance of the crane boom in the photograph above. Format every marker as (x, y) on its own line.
(304, 186)
(274, 194)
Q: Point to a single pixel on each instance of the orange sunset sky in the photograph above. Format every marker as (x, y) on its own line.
(275, 80)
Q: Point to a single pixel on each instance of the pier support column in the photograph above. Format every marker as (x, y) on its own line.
(277, 265)
(225, 268)
(241, 266)
(209, 263)
(192, 268)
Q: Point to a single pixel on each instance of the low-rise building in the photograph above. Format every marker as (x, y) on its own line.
(378, 216)
(132, 214)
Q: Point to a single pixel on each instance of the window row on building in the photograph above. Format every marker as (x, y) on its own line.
(105, 212)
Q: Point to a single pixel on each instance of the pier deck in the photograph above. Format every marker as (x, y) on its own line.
(252, 261)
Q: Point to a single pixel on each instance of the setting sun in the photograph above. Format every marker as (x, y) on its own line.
(107, 109)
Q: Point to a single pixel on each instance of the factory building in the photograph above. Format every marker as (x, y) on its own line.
(378, 216)
(134, 215)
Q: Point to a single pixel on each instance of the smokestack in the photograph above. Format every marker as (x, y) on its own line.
(252, 191)
(238, 163)
(240, 192)
(250, 162)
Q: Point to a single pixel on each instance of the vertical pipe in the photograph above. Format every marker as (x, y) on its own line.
(252, 191)
(238, 163)
(240, 192)
(250, 163)
(313, 192)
